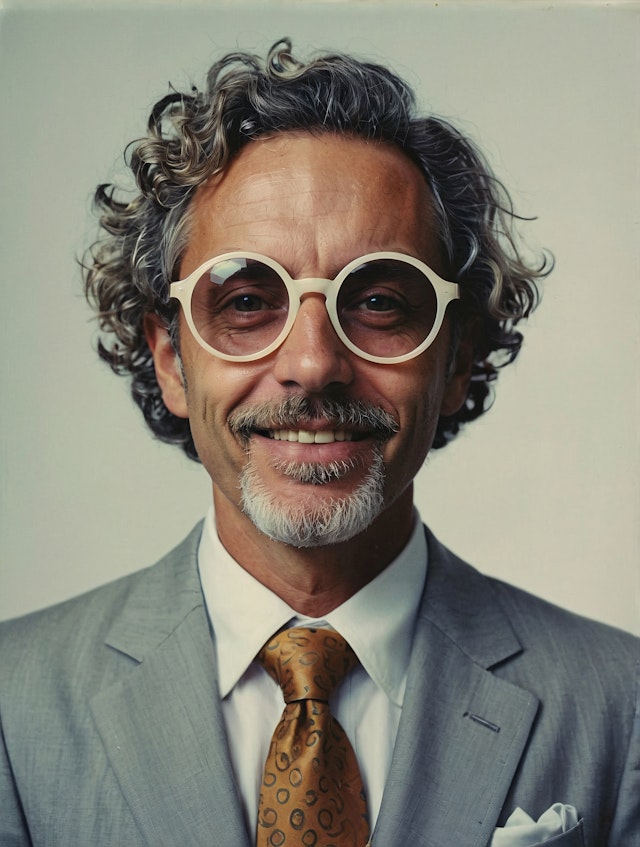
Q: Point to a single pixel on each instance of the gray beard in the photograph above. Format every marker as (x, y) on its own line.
(309, 524)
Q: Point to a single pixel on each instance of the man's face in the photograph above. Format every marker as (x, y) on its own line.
(312, 203)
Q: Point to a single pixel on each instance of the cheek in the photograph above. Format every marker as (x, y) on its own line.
(215, 387)
(418, 394)
(418, 390)
(208, 398)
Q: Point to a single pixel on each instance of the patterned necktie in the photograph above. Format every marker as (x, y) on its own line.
(312, 793)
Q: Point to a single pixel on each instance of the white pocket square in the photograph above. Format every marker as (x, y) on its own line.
(521, 830)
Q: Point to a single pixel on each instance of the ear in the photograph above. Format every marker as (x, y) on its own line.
(167, 366)
(457, 385)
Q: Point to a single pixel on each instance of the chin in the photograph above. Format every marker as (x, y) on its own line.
(317, 519)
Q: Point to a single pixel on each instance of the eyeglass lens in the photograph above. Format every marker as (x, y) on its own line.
(385, 307)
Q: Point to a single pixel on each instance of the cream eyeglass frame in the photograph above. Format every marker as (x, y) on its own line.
(446, 292)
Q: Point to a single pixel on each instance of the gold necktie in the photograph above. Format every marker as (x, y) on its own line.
(312, 793)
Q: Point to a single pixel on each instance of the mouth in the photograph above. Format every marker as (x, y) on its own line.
(302, 420)
(307, 436)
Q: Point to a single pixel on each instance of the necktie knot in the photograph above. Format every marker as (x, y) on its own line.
(307, 663)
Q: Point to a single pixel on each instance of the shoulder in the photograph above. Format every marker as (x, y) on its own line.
(540, 621)
(63, 636)
(555, 646)
(570, 661)
(468, 590)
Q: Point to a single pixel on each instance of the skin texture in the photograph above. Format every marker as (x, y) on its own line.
(313, 203)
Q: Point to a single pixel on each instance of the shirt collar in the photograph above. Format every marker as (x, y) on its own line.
(378, 621)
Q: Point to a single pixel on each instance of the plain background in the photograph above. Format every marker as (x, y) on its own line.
(542, 492)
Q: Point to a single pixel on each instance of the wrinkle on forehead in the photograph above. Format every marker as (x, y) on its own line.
(321, 190)
(266, 166)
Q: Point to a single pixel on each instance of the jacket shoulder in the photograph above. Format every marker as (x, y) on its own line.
(540, 621)
(467, 593)
(531, 641)
(64, 634)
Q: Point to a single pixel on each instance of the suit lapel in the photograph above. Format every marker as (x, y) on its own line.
(462, 730)
(161, 723)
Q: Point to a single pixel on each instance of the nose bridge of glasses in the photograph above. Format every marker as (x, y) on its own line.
(307, 288)
(300, 288)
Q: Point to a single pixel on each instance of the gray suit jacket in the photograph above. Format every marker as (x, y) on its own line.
(113, 733)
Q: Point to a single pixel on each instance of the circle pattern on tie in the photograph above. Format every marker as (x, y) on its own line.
(312, 792)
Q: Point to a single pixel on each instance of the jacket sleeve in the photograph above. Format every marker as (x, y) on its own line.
(625, 829)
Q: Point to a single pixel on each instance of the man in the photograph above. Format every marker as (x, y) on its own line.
(310, 289)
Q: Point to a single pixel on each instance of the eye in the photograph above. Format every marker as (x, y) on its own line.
(375, 302)
(380, 303)
(248, 303)
(244, 287)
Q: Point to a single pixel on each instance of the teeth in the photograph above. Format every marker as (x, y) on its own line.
(324, 437)
(305, 436)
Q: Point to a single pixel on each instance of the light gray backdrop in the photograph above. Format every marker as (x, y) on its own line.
(543, 492)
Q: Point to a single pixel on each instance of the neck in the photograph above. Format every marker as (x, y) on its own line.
(315, 580)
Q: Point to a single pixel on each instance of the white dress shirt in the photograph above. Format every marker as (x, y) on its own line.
(378, 622)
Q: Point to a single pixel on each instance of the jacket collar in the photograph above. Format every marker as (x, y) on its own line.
(462, 604)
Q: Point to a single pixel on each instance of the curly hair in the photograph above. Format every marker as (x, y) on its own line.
(191, 136)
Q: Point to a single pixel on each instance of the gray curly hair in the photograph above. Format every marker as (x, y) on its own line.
(194, 135)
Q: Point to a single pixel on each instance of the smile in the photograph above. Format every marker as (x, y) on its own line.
(305, 436)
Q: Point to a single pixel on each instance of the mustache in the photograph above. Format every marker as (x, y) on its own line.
(295, 411)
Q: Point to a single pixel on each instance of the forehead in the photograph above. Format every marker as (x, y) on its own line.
(315, 199)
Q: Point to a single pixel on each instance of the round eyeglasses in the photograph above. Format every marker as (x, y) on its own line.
(385, 307)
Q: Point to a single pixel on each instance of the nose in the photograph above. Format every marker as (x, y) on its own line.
(312, 358)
